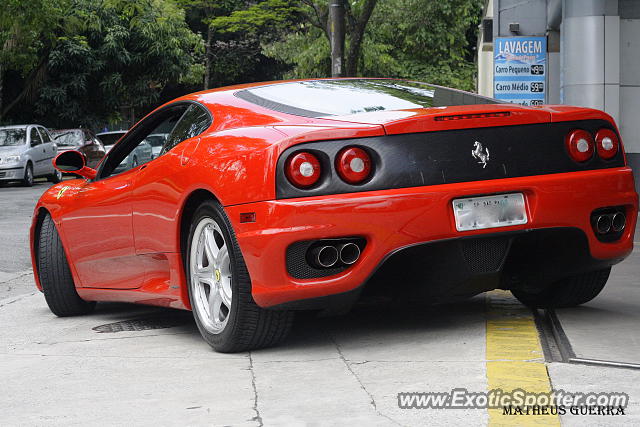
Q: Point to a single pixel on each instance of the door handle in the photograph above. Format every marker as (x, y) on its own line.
(143, 167)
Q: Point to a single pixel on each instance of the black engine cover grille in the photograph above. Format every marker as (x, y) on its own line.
(484, 255)
(430, 158)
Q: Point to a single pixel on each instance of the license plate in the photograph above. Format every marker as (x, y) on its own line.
(477, 213)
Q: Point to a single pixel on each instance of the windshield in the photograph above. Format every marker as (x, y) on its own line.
(68, 138)
(13, 137)
(319, 98)
(110, 138)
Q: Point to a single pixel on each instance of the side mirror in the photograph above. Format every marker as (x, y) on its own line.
(74, 162)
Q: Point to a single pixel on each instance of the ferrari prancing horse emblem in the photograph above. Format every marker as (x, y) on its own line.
(480, 153)
(61, 192)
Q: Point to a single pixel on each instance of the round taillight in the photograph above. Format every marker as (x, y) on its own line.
(607, 143)
(302, 169)
(353, 165)
(580, 145)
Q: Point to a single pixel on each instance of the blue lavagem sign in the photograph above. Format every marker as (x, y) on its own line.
(520, 69)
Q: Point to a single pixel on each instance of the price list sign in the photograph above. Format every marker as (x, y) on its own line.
(520, 67)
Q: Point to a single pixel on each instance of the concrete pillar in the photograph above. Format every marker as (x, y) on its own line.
(630, 82)
(590, 55)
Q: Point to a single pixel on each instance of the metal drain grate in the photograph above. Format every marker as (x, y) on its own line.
(143, 324)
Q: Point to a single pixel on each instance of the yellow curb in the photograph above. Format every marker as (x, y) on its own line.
(514, 357)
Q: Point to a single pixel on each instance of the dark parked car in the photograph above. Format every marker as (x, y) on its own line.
(141, 155)
(82, 140)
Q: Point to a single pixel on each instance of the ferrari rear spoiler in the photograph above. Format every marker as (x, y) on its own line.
(469, 116)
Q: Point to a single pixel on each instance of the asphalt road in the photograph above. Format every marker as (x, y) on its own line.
(16, 208)
(135, 365)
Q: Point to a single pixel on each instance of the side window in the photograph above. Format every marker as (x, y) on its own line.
(194, 121)
(45, 135)
(35, 137)
(134, 149)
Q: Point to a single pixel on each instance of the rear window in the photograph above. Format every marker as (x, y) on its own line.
(13, 137)
(318, 98)
(110, 138)
(68, 138)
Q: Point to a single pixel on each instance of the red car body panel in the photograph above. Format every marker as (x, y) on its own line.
(122, 235)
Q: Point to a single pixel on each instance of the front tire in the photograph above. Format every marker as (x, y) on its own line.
(568, 292)
(56, 177)
(55, 277)
(220, 288)
(27, 181)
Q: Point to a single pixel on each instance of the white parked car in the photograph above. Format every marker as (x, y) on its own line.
(157, 141)
(27, 152)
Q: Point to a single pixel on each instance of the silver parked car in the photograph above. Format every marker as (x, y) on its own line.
(27, 152)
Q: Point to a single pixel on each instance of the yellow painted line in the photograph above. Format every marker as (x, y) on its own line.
(514, 357)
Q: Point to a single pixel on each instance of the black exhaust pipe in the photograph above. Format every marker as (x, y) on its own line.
(324, 256)
(349, 253)
(618, 222)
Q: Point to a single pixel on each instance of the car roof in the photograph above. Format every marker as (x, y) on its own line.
(20, 126)
(112, 132)
(223, 101)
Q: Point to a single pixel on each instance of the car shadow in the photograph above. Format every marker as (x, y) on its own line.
(310, 329)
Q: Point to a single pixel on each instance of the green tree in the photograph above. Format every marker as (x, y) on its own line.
(200, 13)
(428, 40)
(419, 39)
(28, 32)
(116, 57)
(308, 19)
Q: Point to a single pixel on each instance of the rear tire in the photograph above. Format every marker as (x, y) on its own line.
(246, 326)
(27, 181)
(55, 277)
(569, 292)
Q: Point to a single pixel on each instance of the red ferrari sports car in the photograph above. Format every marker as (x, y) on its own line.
(274, 197)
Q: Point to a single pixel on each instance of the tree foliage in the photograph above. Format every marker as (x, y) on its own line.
(92, 62)
(123, 58)
(28, 31)
(435, 42)
(420, 39)
(110, 58)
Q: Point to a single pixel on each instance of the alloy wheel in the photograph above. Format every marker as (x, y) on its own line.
(211, 276)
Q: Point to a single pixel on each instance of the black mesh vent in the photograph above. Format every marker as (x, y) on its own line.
(484, 255)
(299, 268)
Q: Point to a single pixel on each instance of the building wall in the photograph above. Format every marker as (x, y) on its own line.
(593, 56)
(630, 82)
(485, 57)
